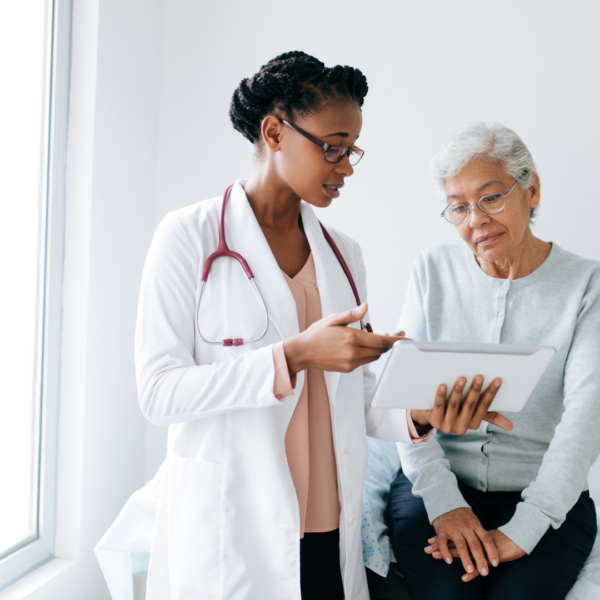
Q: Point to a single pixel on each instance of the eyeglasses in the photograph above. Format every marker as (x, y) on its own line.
(333, 154)
(490, 204)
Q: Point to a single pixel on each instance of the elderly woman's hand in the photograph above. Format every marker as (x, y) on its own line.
(451, 417)
(461, 535)
(507, 550)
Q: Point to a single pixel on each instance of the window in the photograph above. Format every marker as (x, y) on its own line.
(34, 44)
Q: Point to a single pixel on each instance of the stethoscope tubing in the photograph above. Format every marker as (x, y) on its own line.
(223, 251)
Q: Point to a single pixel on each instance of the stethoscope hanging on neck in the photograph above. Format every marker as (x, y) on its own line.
(223, 251)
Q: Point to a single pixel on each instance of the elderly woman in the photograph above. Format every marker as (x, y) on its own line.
(511, 506)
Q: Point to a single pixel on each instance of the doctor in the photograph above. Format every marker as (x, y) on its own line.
(262, 492)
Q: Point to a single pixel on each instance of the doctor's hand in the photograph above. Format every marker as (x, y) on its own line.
(452, 417)
(507, 550)
(330, 345)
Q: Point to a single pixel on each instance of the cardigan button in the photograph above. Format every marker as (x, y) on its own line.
(345, 460)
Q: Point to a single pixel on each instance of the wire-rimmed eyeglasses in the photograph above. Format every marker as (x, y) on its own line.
(490, 204)
(333, 154)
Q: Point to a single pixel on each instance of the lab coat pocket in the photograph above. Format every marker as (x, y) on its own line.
(195, 528)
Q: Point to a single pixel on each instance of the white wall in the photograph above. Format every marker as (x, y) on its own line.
(431, 66)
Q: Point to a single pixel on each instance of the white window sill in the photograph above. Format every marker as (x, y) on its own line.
(36, 579)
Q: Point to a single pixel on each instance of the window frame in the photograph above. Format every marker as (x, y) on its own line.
(41, 548)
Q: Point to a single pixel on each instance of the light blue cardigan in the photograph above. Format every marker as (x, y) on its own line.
(556, 437)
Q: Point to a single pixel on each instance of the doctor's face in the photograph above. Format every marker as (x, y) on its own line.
(301, 163)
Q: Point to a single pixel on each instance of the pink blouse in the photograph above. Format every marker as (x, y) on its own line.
(309, 437)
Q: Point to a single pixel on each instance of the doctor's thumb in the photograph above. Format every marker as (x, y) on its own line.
(352, 316)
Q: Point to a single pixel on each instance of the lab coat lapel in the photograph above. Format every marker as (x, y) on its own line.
(245, 236)
(334, 289)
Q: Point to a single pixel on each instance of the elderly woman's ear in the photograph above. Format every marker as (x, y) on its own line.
(534, 191)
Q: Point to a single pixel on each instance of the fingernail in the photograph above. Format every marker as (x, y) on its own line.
(478, 380)
(464, 578)
(448, 560)
(428, 549)
(469, 568)
(461, 383)
(498, 384)
(495, 562)
(484, 571)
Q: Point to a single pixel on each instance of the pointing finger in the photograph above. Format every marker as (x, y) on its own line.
(348, 317)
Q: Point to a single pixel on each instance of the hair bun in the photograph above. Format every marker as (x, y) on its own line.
(295, 83)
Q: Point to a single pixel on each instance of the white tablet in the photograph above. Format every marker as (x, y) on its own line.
(415, 369)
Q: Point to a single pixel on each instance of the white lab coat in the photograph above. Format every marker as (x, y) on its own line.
(228, 524)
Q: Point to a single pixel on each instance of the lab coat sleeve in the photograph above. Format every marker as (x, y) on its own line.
(172, 387)
(425, 465)
(383, 423)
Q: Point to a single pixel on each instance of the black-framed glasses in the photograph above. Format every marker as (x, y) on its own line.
(489, 204)
(333, 154)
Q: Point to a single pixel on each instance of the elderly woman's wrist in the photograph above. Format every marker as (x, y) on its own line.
(419, 419)
(421, 426)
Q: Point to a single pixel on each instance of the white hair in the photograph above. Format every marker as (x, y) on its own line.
(491, 142)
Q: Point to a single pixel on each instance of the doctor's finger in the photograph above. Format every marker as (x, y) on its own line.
(484, 403)
(398, 334)
(374, 340)
(348, 317)
(362, 356)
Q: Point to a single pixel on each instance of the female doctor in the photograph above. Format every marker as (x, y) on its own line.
(268, 403)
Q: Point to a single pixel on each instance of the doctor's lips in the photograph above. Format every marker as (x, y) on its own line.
(333, 189)
(488, 239)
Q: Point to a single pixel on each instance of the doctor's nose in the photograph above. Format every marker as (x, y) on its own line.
(344, 167)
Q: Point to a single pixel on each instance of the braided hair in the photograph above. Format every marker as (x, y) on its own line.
(296, 84)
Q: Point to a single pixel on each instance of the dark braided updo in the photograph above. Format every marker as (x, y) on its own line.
(296, 84)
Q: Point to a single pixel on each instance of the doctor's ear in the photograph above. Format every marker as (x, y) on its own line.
(271, 131)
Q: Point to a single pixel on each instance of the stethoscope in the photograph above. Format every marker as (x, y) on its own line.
(223, 251)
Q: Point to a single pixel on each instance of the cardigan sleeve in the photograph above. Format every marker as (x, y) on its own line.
(575, 445)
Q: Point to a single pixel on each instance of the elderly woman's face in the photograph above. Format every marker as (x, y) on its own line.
(498, 236)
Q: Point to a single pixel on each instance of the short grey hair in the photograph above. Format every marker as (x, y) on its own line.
(491, 142)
